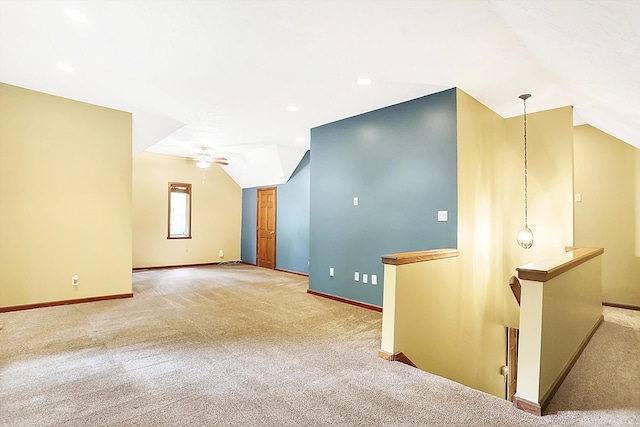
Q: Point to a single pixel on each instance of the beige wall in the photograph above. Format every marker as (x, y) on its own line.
(550, 158)
(65, 199)
(550, 155)
(424, 331)
(556, 317)
(571, 307)
(216, 213)
(491, 212)
(607, 173)
(482, 214)
(468, 324)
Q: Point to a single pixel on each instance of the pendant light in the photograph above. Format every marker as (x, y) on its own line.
(525, 236)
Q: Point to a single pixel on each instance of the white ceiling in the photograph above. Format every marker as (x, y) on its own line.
(221, 73)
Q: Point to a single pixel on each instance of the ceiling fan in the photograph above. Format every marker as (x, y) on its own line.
(204, 159)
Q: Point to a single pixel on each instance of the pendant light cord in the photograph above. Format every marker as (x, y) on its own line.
(524, 101)
(524, 98)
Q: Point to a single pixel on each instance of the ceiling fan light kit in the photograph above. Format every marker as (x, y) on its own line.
(204, 160)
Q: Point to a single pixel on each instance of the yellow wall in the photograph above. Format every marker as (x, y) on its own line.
(550, 158)
(550, 155)
(491, 212)
(571, 307)
(557, 316)
(468, 324)
(481, 231)
(215, 218)
(423, 331)
(607, 173)
(65, 199)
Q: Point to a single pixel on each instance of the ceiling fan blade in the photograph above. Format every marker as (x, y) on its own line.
(223, 159)
(220, 162)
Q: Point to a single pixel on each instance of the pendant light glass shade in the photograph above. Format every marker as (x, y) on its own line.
(525, 236)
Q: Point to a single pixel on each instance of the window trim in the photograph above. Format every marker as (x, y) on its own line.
(190, 194)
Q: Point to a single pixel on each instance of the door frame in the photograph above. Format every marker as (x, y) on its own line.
(275, 208)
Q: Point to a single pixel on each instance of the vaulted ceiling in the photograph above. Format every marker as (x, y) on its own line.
(221, 74)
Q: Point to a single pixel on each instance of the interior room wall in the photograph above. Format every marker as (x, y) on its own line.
(478, 330)
(292, 221)
(550, 192)
(606, 176)
(215, 213)
(400, 161)
(65, 190)
(563, 335)
(490, 213)
(248, 244)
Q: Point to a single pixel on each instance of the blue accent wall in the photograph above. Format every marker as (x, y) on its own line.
(249, 224)
(401, 162)
(292, 221)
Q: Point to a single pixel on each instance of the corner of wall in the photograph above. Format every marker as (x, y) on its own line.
(66, 218)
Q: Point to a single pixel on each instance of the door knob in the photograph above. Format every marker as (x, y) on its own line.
(272, 232)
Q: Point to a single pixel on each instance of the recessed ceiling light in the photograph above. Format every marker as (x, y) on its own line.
(65, 67)
(76, 15)
(292, 108)
(364, 81)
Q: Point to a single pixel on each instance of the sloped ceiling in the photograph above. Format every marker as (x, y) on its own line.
(221, 73)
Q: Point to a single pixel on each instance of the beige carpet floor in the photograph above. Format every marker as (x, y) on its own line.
(237, 345)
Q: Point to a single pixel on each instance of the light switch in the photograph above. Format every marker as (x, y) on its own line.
(355, 201)
(578, 197)
(356, 276)
(331, 271)
(374, 279)
(443, 216)
(365, 278)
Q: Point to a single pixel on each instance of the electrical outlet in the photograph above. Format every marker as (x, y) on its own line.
(332, 272)
(221, 254)
(356, 276)
(365, 278)
(74, 280)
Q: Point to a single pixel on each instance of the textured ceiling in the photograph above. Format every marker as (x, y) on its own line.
(221, 73)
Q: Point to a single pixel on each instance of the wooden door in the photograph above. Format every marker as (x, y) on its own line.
(513, 362)
(266, 230)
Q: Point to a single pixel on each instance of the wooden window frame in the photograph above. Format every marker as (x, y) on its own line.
(189, 191)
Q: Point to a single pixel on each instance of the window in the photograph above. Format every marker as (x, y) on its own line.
(179, 211)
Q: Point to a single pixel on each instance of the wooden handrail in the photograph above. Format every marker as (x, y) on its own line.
(547, 269)
(419, 256)
(514, 284)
